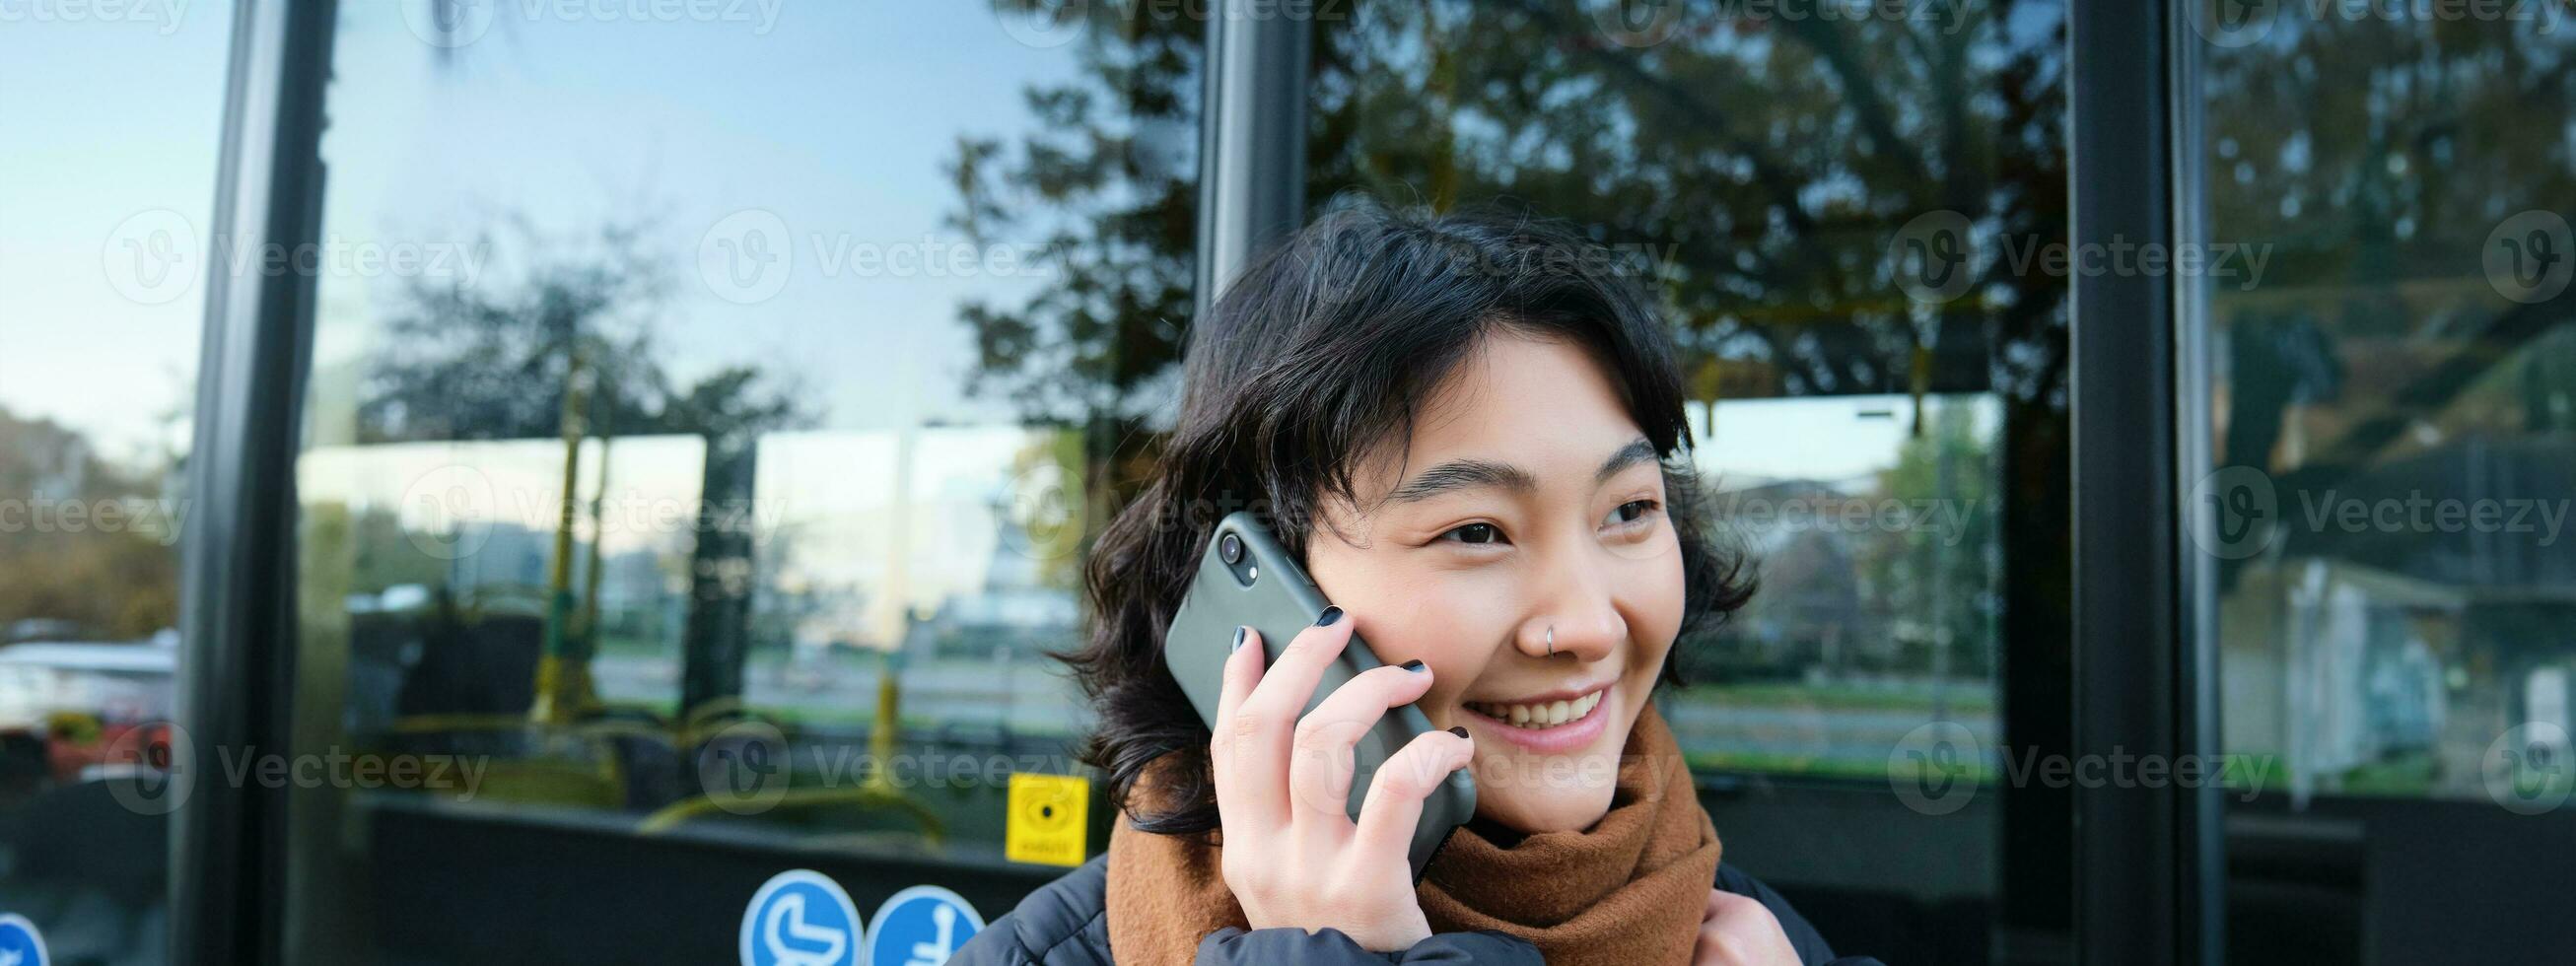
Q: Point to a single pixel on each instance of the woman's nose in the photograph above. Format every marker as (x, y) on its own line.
(1581, 619)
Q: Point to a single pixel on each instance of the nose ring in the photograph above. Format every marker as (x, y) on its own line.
(1551, 640)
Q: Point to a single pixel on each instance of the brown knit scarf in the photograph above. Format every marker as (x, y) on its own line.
(1629, 891)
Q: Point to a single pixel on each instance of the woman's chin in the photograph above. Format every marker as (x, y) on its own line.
(1530, 813)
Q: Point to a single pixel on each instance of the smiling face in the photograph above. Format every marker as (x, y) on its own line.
(1528, 499)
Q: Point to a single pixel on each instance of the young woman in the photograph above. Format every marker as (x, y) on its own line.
(1471, 431)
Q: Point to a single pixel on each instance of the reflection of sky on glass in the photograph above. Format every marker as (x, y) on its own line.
(1832, 439)
(828, 500)
(838, 121)
(100, 121)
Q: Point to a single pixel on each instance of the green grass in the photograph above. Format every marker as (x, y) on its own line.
(2410, 774)
(1803, 765)
(1962, 698)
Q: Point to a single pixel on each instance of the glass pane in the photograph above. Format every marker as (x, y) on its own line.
(1830, 207)
(110, 118)
(694, 483)
(2394, 421)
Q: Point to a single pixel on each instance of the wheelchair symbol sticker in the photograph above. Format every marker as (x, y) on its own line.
(20, 943)
(801, 917)
(921, 926)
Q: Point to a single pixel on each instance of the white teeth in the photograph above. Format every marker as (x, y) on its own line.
(1547, 714)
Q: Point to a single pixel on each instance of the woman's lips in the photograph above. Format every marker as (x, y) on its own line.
(1573, 734)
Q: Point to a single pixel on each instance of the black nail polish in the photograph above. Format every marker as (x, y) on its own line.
(1415, 665)
(1329, 615)
(1459, 730)
(1238, 639)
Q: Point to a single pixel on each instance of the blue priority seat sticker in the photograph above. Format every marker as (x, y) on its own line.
(20, 942)
(921, 926)
(800, 917)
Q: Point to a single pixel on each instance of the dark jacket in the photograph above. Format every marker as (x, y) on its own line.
(1067, 924)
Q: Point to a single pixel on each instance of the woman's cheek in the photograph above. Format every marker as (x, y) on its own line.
(1452, 625)
(1655, 610)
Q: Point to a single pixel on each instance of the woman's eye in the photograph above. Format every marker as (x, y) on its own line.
(1631, 512)
(1475, 533)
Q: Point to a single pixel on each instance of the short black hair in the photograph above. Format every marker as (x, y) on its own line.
(1326, 348)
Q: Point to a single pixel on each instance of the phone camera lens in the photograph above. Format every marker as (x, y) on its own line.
(1230, 547)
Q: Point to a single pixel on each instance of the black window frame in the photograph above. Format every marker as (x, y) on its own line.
(2145, 875)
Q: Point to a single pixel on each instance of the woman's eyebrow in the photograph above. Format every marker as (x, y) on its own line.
(1468, 474)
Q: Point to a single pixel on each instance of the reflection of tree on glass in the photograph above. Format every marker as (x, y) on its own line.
(1766, 171)
(2406, 351)
(567, 352)
(1109, 180)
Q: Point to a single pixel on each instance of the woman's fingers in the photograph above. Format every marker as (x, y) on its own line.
(1290, 679)
(1319, 764)
(1740, 931)
(1248, 794)
(1395, 796)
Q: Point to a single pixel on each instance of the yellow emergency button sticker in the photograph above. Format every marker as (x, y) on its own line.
(1047, 821)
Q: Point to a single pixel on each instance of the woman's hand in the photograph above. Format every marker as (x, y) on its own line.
(1292, 856)
(1740, 931)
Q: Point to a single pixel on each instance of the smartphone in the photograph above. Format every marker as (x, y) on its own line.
(1245, 578)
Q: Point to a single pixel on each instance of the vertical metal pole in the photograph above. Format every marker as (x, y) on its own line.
(2137, 857)
(2204, 811)
(1252, 135)
(238, 571)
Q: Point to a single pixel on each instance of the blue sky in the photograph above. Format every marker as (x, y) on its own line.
(836, 118)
